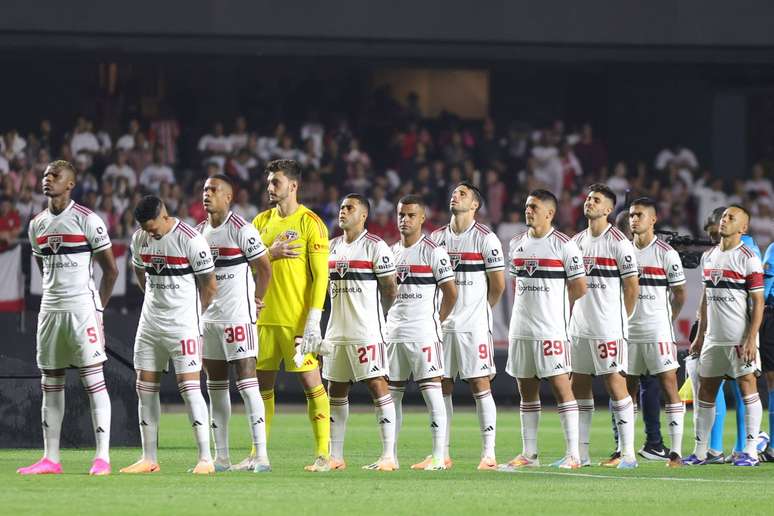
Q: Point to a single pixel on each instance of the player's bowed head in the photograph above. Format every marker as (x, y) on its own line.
(152, 216)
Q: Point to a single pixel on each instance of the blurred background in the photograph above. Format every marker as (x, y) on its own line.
(674, 100)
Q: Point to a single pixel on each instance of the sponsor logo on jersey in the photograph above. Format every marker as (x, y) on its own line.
(403, 271)
(215, 251)
(588, 263)
(715, 275)
(158, 262)
(455, 260)
(54, 241)
(342, 266)
(530, 266)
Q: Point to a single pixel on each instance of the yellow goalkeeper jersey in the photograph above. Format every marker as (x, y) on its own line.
(299, 283)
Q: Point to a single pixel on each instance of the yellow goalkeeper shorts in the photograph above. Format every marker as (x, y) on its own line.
(278, 343)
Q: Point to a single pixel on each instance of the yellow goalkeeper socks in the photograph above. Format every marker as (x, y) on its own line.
(319, 412)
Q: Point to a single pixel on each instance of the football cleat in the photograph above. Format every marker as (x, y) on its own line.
(42, 467)
(693, 460)
(248, 464)
(745, 459)
(567, 462)
(338, 465)
(204, 467)
(518, 462)
(767, 455)
(447, 463)
(221, 467)
(654, 451)
(585, 462)
(713, 458)
(487, 464)
(729, 459)
(262, 467)
(613, 461)
(627, 463)
(100, 468)
(383, 464)
(320, 465)
(674, 461)
(435, 465)
(142, 466)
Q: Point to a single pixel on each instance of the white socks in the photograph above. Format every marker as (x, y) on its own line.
(433, 395)
(385, 418)
(397, 398)
(585, 414)
(487, 420)
(256, 414)
(449, 406)
(529, 412)
(149, 411)
(568, 415)
(51, 414)
(675, 414)
(220, 413)
(339, 416)
(197, 414)
(752, 422)
(705, 418)
(93, 380)
(624, 419)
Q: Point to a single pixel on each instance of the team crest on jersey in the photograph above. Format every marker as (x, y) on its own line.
(54, 241)
(290, 235)
(403, 271)
(215, 251)
(158, 262)
(715, 276)
(342, 266)
(455, 260)
(588, 263)
(530, 266)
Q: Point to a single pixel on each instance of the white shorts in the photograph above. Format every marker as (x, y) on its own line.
(423, 360)
(230, 341)
(468, 354)
(356, 362)
(68, 339)
(720, 361)
(598, 356)
(651, 358)
(152, 351)
(538, 358)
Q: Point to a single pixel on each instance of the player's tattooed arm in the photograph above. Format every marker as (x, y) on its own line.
(262, 272)
(449, 291)
(139, 273)
(676, 300)
(496, 286)
(576, 289)
(701, 315)
(756, 318)
(388, 288)
(207, 287)
(107, 263)
(631, 290)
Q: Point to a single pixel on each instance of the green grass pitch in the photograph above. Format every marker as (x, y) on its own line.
(650, 489)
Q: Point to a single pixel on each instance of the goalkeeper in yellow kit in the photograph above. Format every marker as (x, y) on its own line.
(298, 247)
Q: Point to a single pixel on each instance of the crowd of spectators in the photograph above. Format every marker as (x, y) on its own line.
(422, 156)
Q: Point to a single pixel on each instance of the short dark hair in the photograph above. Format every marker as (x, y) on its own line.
(545, 195)
(412, 199)
(362, 199)
(473, 188)
(148, 208)
(644, 201)
(224, 178)
(61, 164)
(605, 191)
(289, 167)
(739, 207)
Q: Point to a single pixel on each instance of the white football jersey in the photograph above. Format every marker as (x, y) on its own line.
(729, 277)
(233, 245)
(420, 269)
(660, 268)
(171, 298)
(541, 268)
(607, 259)
(473, 253)
(66, 243)
(356, 308)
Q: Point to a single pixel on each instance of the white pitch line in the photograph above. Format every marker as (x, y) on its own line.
(614, 477)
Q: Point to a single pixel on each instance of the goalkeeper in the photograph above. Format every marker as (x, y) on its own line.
(297, 240)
